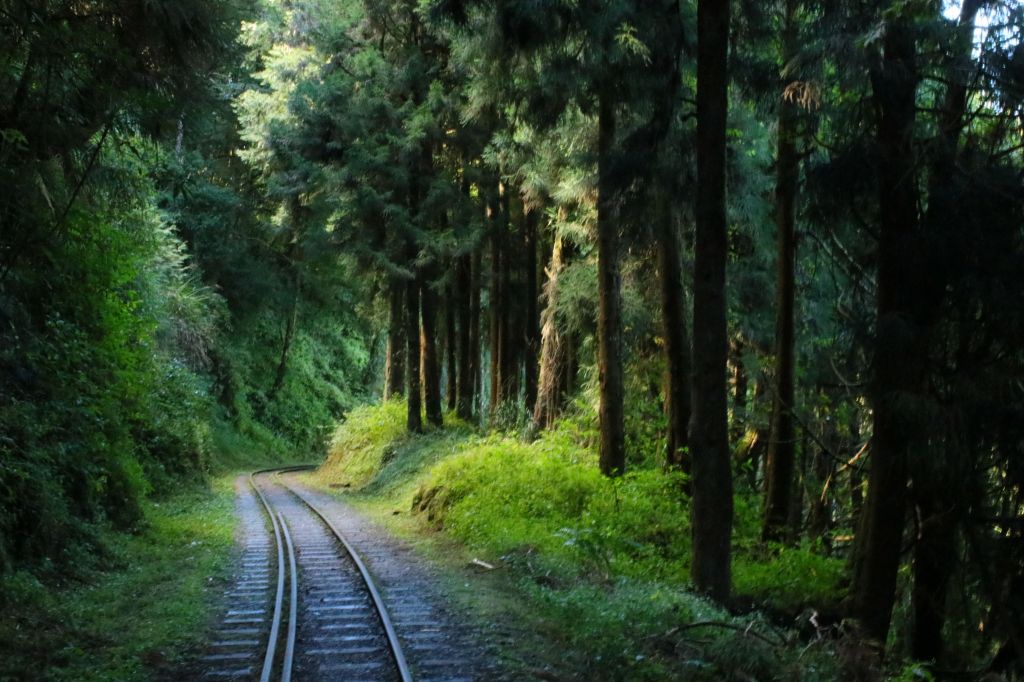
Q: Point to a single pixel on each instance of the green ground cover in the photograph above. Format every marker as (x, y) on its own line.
(135, 610)
(600, 566)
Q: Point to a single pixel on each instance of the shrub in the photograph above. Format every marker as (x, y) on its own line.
(363, 442)
(791, 578)
(503, 495)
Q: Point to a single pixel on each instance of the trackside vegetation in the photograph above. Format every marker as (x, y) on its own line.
(604, 561)
(134, 611)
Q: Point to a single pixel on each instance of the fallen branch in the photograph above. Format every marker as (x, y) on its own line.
(747, 630)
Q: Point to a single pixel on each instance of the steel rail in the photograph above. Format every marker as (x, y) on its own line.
(268, 659)
(293, 604)
(395, 645)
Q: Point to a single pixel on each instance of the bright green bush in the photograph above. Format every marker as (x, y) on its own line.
(548, 497)
(363, 442)
(790, 578)
(544, 507)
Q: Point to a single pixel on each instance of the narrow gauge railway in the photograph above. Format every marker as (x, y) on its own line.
(332, 626)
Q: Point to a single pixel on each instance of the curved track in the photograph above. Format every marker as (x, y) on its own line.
(330, 623)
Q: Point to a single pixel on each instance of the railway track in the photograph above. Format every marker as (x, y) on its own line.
(304, 606)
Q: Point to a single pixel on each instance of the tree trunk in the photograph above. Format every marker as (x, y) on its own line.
(739, 395)
(759, 443)
(819, 520)
(795, 513)
(781, 449)
(414, 417)
(394, 367)
(933, 562)
(676, 339)
(431, 361)
(899, 355)
(475, 365)
(463, 297)
(508, 386)
(609, 316)
(494, 301)
(451, 346)
(554, 351)
(532, 331)
(712, 503)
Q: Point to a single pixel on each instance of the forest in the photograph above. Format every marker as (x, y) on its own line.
(720, 298)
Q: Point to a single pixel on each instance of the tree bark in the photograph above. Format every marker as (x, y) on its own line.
(509, 340)
(819, 520)
(414, 417)
(431, 361)
(554, 347)
(899, 355)
(394, 367)
(495, 303)
(795, 513)
(781, 449)
(739, 395)
(463, 296)
(476, 263)
(532, 331)
(676, 339)
(451, 347)
(712, 503)
(935, 544)
(933, 562)
(609, 317)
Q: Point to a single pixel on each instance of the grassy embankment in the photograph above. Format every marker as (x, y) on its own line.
(131, 612)
(599, 567)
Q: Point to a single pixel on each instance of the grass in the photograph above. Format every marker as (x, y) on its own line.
(139, 610)
(595, 569)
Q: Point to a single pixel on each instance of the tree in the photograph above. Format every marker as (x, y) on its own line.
(394, 368)
(712, 502)
(901, 341)
(609, 313)
(782, 448)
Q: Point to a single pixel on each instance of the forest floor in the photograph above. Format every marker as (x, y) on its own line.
(134, 610)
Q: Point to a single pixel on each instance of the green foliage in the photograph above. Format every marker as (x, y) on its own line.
(791, 578)
(363, 444)
(106, 399)
(628, 630)
(543, 507)
(602, 562)
(137, 611)
(912, 672)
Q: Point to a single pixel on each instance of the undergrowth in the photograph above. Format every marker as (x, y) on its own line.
(604, 562)
(132, 612)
